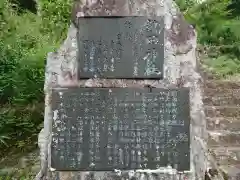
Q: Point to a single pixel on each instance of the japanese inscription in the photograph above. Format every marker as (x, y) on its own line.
(123, 47)
(120, 128)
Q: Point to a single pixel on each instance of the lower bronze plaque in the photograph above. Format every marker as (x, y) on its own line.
(103, 129)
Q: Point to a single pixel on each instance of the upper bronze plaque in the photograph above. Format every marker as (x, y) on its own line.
(121, 47)
(104, 129)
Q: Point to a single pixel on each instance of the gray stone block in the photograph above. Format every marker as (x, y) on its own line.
(179, 71)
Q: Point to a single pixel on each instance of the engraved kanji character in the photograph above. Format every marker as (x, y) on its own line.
(112, 68)
(138, 146)
(145, 147)
(174, 154)
(97, 139)
(98, 134)
(174, 115)
(91, 145)
(105, 67)
(61, 158)
(133, 134)
(80, 139)
(181, 122)
(156, 128)
(61, 140)
(121, 133)
(144, 134)
(98, 148)
(134, 157)
(126, 146)
(126, 134)
(135, 70)
(150, 140)
(174, 104)
(156, 141)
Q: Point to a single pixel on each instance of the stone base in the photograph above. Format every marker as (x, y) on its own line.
(161, 174)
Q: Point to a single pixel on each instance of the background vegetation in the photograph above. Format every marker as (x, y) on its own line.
(26, 38)
(217, 23)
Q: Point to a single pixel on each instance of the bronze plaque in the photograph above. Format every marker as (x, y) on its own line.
(123, 47)
(103, 129)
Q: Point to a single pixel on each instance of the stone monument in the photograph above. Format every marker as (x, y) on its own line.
(123, 97)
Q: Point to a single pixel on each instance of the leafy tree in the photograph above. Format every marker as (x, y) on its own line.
(25, 40)
(217, 23)
(234, 6)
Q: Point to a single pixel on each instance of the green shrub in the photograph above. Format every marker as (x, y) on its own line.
(218, 30)
(56, 16)
(21, 74)
(223, 66)
(25, 40)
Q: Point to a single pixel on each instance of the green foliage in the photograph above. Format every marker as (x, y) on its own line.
(56, 16)
(234, 6)
(223, 65)
(185, 5)
(218, 31)
(18, 174)
(3, 138)
(21, 73)
(25, 40)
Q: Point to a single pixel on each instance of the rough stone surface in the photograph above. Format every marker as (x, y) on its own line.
(222, 110)
(180, 71)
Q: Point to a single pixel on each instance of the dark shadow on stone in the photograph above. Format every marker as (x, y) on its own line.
(211, 173)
